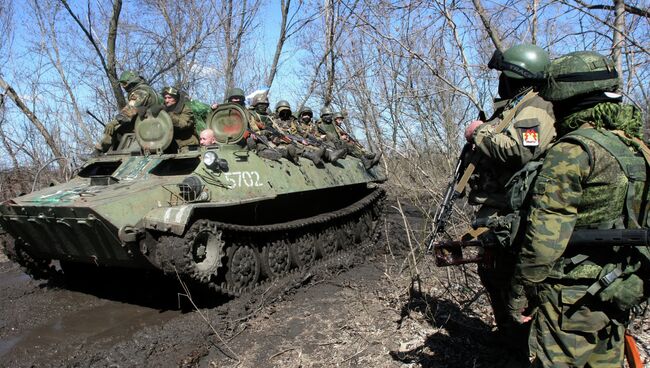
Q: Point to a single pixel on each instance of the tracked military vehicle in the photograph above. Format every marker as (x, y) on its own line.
(218, 215)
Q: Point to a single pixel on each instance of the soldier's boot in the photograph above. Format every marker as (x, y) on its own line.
(333, 156)
(292, 154)
(314, 156)
(345, 153)
(269, 154)
(251, 144)
(369, 163)
(370, 155)
(374, 158)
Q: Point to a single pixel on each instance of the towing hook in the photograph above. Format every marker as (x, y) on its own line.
(129, 234)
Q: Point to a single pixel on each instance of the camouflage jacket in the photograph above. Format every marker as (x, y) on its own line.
(575, 188)
(288, 126)
(183, 120)
(528, 135)
(330, 131)
(140, 95)
(307, 130)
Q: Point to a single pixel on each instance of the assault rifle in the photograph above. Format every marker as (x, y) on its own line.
(462, 172)
(450, 253)
(96, 118)
(465, 166)
(273, 133)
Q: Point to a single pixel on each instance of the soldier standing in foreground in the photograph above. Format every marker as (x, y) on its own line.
(140, 97)
(528, 133)
(594, 177)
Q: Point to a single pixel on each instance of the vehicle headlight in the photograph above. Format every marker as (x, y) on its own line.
(209, 158)
(212, 161)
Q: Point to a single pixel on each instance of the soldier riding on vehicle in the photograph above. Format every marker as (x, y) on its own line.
(140, 97)
(182, 117)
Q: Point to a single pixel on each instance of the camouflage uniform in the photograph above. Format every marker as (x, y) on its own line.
(579, 300)
(503, 154)
(307, 127)
(183, 120)
(569, 328)
(140, 95)
(284, 119)
(528, 133)
(334, 133)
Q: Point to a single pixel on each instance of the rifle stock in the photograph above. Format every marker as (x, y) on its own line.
(451, 253)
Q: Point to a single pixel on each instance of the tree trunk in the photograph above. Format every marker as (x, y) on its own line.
(109, 61)
(32, 117)
(329, 51)
(284, 10)
(619, 28)
(494, 36)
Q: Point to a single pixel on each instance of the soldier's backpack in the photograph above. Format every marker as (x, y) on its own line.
(200, 111)
(625, 284)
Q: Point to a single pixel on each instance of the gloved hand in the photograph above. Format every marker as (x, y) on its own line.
(517, 303)
(111, 127)
(469, 131)
(155, 110)
(121, 118)
(142, 111)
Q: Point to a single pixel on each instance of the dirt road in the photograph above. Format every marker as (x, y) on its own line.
(357, 310)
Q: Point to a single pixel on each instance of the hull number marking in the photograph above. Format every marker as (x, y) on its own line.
(243, 178)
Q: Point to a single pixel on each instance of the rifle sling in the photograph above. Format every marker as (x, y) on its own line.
(503, 124)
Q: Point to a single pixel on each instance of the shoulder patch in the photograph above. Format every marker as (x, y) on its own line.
(530, 137)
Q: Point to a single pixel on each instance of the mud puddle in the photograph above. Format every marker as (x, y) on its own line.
(43, 323)
(100, 326)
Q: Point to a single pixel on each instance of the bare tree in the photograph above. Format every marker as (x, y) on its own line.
(107, 58)
(237, 22)
(49, 140)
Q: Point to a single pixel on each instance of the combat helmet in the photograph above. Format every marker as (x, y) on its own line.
(325, 111)
(579, 73)
(172, 91)
(260, 99)
(306, 110)
(128, 79)
(338, 114)
(523, 61)
(282, 105)
(235, 93)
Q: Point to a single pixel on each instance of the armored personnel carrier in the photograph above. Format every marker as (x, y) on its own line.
(217, 215)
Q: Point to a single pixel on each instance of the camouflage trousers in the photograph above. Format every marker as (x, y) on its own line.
(572, 329)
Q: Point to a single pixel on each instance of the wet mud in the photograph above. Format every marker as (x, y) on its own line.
(359, 309)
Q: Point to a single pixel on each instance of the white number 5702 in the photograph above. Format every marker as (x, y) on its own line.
(243, 178)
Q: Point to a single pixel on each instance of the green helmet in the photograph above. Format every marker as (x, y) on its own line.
(325, 111)
(129, 78)
(282, 104)
(235, 92)
(579, 73)
(172, 91)
(524, 61)
(306, 110)
(338, 114)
